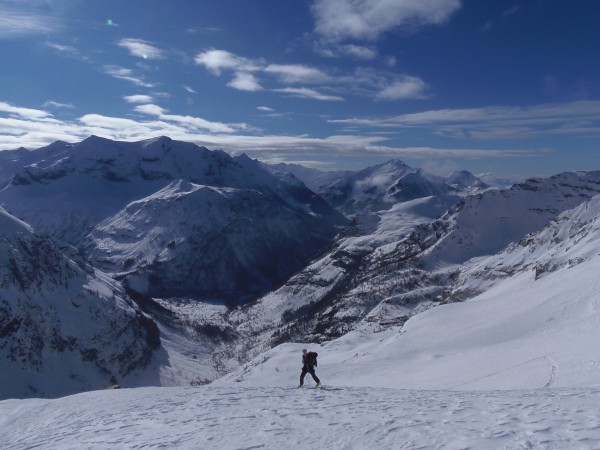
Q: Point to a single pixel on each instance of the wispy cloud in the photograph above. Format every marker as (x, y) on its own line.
(142, 49)
(358, 51)
(406, 87)
(188, 89)
(199, 30)
(309, 93)
(190, 123)
(265, 109)
(296, 73)
(35, 128)
(18, 22)
(379, 85)
(340, 20)
(53, 104)
(497, 122)
(511, 11)
(68, 51)
(123, 73)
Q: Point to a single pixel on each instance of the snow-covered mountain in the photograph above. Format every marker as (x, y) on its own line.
(380, 187)
(213, 243)
(94, 179)
(176, 223)
(411, 259)
(514, 367)
(131, 195)
(64, 327)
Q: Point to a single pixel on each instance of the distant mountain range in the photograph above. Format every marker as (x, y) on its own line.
(160, 260)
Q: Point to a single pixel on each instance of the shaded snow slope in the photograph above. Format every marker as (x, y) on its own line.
(207, 242)
(63, 327)
(273, 418)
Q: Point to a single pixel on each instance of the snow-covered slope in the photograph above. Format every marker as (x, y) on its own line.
(525, 332)
(569, 240)
(516, 367)
(309, 303)
(235, 417)
(64, 328)
(484, 224)
(207, 242)
(380, 279)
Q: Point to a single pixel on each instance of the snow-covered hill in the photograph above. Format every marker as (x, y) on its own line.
(64, 327)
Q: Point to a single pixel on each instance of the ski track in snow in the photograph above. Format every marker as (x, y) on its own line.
(333, 418)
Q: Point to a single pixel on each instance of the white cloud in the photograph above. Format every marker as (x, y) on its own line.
(126, 74)
(296, 73)
(308, 93)
(68, 50)
(265, 108)
(189, 89)
(339, 20)
(407, 87)
(34, 128)
(366, 82)
(216, 61)
(26, 113)
(245, 81)
(53, 104)
(197, 30)
(142, 49)
(138, 98)
(153, 110)
(15, 23)
(359, 51)
(581, 118)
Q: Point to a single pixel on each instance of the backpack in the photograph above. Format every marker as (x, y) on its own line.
(311, 358)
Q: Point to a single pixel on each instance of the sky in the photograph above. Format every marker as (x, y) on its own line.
(504, 88)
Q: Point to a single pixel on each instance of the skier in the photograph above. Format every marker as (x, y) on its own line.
(309, 362)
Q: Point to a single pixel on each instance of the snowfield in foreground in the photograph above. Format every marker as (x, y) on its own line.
(332, 418)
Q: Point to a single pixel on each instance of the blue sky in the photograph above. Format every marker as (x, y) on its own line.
(509, 88)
